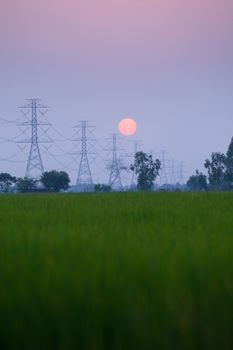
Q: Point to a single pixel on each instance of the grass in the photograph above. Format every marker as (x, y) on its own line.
(116, 271)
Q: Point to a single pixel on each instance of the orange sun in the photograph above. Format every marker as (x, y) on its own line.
(127, 126)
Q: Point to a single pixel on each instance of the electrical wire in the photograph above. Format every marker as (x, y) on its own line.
(64, 166)
(9, 158)
(7, 121)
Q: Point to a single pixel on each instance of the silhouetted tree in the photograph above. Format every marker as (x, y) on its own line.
(146, 170)
(55, 180)
(216, 167)
(26, 184)
(6, 182)
(197, 182)
(229, 167)
(102, 188)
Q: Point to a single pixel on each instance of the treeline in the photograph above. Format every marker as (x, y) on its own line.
(145, 168)
(50, 181)
(219, 173)
(219, 176)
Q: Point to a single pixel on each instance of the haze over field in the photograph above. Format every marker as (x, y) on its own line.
(166, 63)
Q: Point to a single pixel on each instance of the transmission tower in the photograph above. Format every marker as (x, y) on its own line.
(173, 180)
(115, 175)
(163, 173)
(181, 177)
(84, 180)
(33, 111)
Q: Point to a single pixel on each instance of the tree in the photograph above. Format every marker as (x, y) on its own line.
(216, 167)
(102, 188)
(55, 180)
(197, 182)
(229, 167)
(146, 170)
(6, 182)
(26, 184)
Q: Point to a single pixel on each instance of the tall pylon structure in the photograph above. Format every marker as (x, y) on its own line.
(84, 180)
(173, 178)
(163, 174)
(34, 111)
(181, 177)
(115, 175)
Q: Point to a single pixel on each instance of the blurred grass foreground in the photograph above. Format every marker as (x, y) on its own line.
(116, 271)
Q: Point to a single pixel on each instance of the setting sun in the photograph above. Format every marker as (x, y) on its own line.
(127, 126)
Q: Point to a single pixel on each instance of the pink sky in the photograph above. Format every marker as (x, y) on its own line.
(117, 31)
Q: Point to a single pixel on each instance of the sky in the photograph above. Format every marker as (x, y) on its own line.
(166, 63)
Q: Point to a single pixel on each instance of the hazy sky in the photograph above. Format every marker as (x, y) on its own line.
(166, 63)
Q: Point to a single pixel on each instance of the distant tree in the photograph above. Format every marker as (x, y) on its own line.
(6, 182)
(197, 182)
(229, 167)
(146, 170)
(102, 188)
(216, 167)
(26, 184)
(55, 180)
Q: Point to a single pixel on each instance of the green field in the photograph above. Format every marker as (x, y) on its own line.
(116, 271)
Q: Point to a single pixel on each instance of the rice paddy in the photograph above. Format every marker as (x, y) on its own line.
(116, 271)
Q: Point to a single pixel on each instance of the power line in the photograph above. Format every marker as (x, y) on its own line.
(9, 158)
(35, 122)
(4, 121)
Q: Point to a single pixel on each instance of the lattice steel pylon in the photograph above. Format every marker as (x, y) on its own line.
(35, 166)
(84, 180)
(173, 178)
(163, 174)
(181, 178)
(115, 175)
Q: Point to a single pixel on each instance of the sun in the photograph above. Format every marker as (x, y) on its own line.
(127, 126)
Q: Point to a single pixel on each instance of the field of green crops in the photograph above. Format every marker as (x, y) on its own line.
(116, 271)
